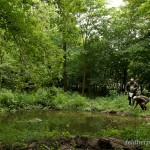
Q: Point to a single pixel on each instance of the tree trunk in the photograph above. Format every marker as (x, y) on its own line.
(1, 61)
(84, 74)
(65, 80)
(124, 81)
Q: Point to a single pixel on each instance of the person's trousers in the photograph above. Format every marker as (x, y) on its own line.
(130, 99)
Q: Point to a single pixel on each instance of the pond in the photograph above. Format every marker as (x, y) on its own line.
(28, 125)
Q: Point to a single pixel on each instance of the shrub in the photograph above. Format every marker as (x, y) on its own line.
(7, 98)
(45, 97)
(113, 93)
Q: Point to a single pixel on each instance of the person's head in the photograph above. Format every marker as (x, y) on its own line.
(131, 80)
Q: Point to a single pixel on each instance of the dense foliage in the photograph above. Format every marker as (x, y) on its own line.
(79, 45)
(57, 99)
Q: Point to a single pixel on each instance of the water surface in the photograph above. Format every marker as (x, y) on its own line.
(23, 125)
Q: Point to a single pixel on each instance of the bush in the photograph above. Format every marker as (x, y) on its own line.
(45, 97)
(71, 101)
(113, 93)
(7, 98)
(17, 100)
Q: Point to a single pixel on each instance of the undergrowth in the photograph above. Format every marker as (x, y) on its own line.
(53, 98)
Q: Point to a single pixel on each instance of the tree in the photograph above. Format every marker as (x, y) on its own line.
(138, 48)
(90, 24)
(26, 26)
(67, 10)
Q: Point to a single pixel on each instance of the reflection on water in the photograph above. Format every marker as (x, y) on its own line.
(83, 123)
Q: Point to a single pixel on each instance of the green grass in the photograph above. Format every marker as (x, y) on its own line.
(52, 98)
(118, 103)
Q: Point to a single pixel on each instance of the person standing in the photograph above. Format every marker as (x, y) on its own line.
(131, 88)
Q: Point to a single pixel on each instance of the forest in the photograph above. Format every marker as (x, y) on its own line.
(79, 45)
(72, 55)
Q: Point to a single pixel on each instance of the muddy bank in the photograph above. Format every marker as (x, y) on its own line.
(113, 112)
(78, 142)
(121, 113)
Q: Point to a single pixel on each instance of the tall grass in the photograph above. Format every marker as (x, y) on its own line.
(114, 102)
(53, 98)
(22, 100)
